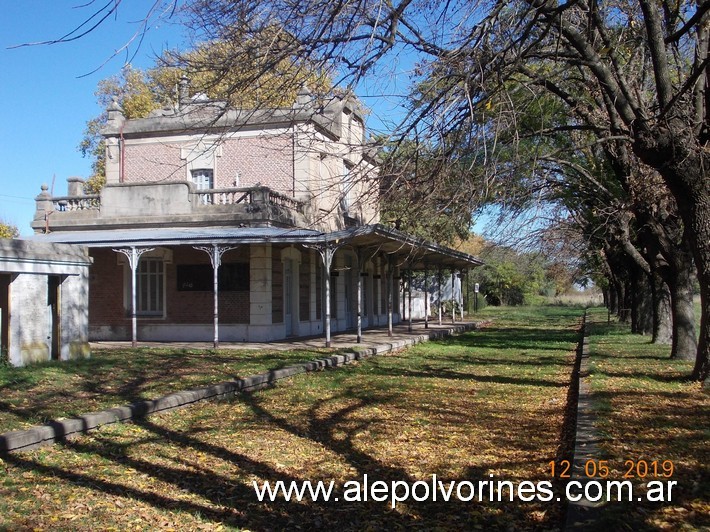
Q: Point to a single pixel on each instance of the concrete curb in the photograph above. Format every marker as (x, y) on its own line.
(59, 430)
(583, 514)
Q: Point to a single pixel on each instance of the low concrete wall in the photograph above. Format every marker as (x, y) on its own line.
(161, 199)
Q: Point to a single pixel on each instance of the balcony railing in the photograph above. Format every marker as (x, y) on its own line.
(248, 196)
(89, 202)
(223, 196)
(256, 196)
(276, 198)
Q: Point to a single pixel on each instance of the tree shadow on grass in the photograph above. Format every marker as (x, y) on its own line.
(514, 338)
(331, 423)
(600, 356)
(647, 375)
(34, 395)
(432, 372)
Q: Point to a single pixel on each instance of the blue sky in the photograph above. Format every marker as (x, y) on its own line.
(46, 96)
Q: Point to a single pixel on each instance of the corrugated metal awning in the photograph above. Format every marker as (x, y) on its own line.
(407, 250)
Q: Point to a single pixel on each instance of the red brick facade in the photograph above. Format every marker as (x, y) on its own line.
(267, 160)
(246, 161)
(109, 299)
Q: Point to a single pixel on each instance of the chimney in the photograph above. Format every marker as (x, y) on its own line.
(75, 186)
(115, 113)
(304, 97)
(184, 90)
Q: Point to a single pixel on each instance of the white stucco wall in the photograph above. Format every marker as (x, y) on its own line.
(74, 329)
(29, 265)
(29, 320)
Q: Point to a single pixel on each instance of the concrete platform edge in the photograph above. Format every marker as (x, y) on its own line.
(584, 514)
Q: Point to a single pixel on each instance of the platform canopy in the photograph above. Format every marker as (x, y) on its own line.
(415, 253)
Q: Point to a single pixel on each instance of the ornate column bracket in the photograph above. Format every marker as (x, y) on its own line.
(133, 254)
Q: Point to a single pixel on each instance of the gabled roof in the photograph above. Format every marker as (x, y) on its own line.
(408, 250)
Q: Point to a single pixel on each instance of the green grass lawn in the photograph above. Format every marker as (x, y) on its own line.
(114, 377)
(649, 412)
(491, 402)
(485, 405)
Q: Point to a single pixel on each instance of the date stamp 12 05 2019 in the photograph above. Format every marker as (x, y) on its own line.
(631, 469)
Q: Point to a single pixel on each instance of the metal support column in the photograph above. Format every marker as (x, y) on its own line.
(439, 275)
(453, 298)
(409, 297)
(460, 276)
(390, 288)
(426, 298)
(468, 292)
(215, 253)
(360, 264)
(327, 252)
(133, 254)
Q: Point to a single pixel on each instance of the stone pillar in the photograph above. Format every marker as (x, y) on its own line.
(113, 161)
(74, 327)
(43, 204)
(260, 277)
(75, 186)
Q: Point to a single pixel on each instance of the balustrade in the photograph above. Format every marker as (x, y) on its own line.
(89, 202)
(256, 195)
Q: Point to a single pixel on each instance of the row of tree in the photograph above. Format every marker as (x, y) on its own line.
(589, 118)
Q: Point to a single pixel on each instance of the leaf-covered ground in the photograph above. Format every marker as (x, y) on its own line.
(485, 405)
(113, 377)
(648, 412)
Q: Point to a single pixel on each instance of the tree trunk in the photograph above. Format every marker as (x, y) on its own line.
(613, 299)
(625, 301)
(674, 150)
(684, 345)
(702, 361)
(641, 302)
(662, 322)
(699, 234)
(621, 310)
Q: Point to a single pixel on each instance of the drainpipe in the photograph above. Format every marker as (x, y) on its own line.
(426, 298)
(409, 298)
(122, 153)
